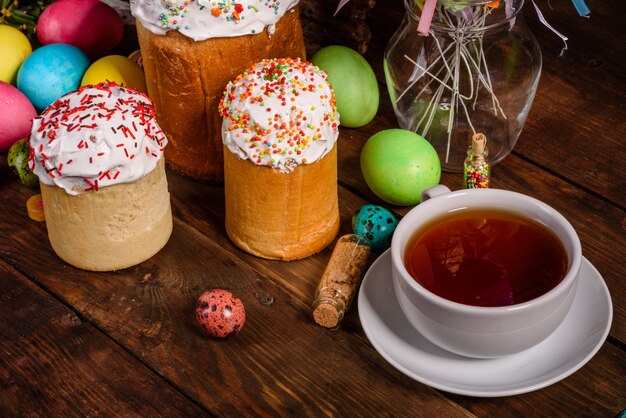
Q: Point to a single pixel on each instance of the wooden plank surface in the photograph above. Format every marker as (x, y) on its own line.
(281, 362)
(153, 303)
(136, 335)
(54, 364)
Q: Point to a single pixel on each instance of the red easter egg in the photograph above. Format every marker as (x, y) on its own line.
(220, 313)
(90, 25)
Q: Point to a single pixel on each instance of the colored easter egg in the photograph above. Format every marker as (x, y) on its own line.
(136, 57)
(50, 72)
(220, 313)
(91, 25)
(116, 68)
(376, 224)
(398, 165)
(14, 48)
(354, 84)
(16, 115)
(34, 207)
(17, 158)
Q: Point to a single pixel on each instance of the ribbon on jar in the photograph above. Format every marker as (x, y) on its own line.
(543, 20)
(426, 18)
(581, 8)
(340, 5)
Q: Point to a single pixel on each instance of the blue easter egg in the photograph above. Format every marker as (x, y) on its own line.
(376, 224)
(50, 72)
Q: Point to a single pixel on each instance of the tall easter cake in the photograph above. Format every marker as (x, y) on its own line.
(280, 159)
(190, 50)
(98, 155)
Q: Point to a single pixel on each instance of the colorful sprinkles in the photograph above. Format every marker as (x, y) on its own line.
(280, 112)
(477, 176)
(200, 15)
(89, 138)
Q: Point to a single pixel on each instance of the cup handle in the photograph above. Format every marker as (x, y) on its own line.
(434, 191)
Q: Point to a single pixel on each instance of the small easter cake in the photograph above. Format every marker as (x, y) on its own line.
(98, 153)
(190, 50)
(280, 131)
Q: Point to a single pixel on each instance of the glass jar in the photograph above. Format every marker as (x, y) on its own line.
(476, 72)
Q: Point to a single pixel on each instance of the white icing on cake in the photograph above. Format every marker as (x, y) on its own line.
(280, 113)
(203, 19)
(95, 137)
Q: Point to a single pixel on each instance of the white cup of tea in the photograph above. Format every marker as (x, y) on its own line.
(512, 304)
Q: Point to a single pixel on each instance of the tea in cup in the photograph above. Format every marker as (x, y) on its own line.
(484, 272)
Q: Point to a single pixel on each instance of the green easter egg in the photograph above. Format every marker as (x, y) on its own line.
(18, 161)
(398, 165)
(354, 84)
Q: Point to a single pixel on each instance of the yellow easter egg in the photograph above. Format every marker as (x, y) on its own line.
(14, 48)
(116, 68)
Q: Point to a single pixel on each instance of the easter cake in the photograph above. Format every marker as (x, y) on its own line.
(190, 50)
(279, 132)
(98, 155)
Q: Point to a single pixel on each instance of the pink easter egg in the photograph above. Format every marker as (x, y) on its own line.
(90, 25)
(16, 116)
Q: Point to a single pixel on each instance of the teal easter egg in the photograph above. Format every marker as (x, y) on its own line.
(398, 165)
(354, 84)
(376, 224)
(50, 72)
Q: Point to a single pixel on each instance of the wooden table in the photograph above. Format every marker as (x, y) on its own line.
(125, 343)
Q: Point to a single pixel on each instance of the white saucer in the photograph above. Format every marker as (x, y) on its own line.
(573, 344)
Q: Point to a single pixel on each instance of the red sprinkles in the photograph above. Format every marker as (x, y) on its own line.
(104, 105)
